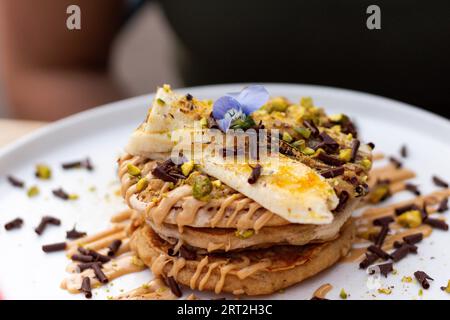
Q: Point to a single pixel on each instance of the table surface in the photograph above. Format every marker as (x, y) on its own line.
(11, 130)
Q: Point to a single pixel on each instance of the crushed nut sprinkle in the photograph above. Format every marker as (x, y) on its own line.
(423, 278)
(16, 182)
(14, 224)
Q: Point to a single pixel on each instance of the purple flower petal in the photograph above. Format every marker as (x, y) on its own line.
(252, 98)
(224, 124)
(223, 105)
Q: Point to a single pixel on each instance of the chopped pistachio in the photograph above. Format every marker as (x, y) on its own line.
(92, 189)
(379, 193)
(299, 144)
(304, 132)
(316, 153)
(349, 137)
(420, 292)
(343, 294)
(204, 122)
(407, 279)
(43, 172)
(137, 262)
(160, 101)
(287, 137)
(308, 151)
(166, 87)
(244, 234)
(336, 128)
(217, 183)
(141, 184)
(73, 196)
(201, 187)
(410, 219)
(32, 191)
(278, 104)
(447, 288)
(345, 154)
(133, 170)
(366, 163)
(171, 185)
(306, 102)
(385, 290)
(187, 167)
(336, 117)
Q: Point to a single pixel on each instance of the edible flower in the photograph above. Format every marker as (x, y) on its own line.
(233, 110)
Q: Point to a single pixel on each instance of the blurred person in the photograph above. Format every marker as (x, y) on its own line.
(51, 71)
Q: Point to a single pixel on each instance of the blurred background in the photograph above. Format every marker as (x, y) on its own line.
(128, 47)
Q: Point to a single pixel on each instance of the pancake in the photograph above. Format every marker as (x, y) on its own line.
(249, 272)
(212, 239)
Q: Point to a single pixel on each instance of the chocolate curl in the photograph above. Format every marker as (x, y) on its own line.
(423, 278)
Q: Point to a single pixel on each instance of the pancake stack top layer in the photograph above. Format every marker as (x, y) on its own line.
(209, 223)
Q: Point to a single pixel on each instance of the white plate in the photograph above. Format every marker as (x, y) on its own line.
(28, 273)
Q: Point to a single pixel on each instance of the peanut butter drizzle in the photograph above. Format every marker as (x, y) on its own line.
(322, 291)
(189, 212)
(92, 238)
(245, 222)
(224, 270)
(177, 265)
(262, 220)
(205, 278)
(239, 206)
(154, 290)
(120, 266)
(219, 214)
(248, 271)
(198, 271)
(215, 246)
(160, 212)
(158, 265)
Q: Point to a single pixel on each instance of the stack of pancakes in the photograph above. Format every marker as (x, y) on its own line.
(228, 242)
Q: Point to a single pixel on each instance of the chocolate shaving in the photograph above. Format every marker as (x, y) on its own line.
(317, 298)
(330, 160)
(371, 145)
(78, 164)
(333, 172)
(439, 182)
(60, 193)
(114, 247)
(312, 127)
(173, 285)
(436, 223)
(383, 221)
(369, 260)
(86, 287)
(409, 207)
(355, 147)
(16, 182)
(413, 188)
(404, 151)
(189, 97)
(443, 205)
(88, 265)
(44, 222)
(82, 258)
(343, 199)
(379, 252)
(361, 190)
(386, 268)
(187, 253)
(348, 127)
(74, 234)
(328, 143)
(403, 251)
(54, 247)
(99, 273)
(423, 278)
(413, 238)
(382, 235)
(168, 171)
(97, 256)
(14, 224)
(256, 173)
(395, 162)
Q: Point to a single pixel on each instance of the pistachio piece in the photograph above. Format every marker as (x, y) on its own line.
(141, 184)
(137, 262)
(366, 163)
(343, 294)
(379, 193)
(406, 279)
(410, 219)
(73, 196)
(299, 144)
(336, 117)
(204, 122)
(160, 101)
(33, 191)
(278, 104)
(345, 154)
(201, 187)
(287, 137)
(447, 288)
(244, 234)
(166, 87)
(43, 172)
(306, 102)
(133, 170)
(217, 183)
(187, 167)
(308, 151)
(385, 290)
(304, 132)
